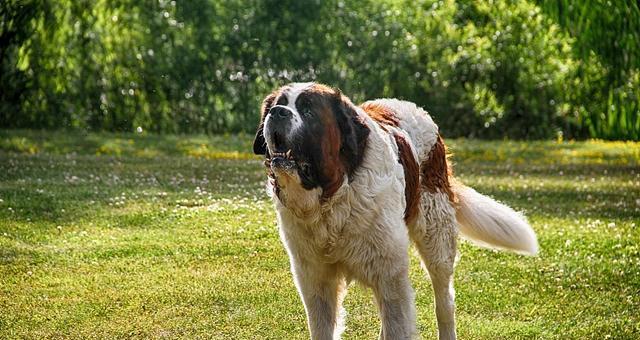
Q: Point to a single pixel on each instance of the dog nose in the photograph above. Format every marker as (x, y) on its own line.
(280, 112)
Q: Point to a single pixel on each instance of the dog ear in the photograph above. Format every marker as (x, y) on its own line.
(354, 131)
(259, 143)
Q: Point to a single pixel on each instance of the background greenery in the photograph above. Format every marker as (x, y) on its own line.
(523, 69)
(120, 236)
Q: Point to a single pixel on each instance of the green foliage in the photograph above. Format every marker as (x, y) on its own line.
(117, 236)
(607, 38)
(526, 69)
(493, 69)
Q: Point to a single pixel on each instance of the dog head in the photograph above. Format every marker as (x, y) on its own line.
(312, 137)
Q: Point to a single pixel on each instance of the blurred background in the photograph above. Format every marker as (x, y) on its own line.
(488, 69)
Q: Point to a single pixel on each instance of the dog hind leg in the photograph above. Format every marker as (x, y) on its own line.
(435, 237)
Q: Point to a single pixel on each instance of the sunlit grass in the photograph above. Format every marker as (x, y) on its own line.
(126, 235)
(127, 145)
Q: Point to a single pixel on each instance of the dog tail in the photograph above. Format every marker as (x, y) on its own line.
(491, 224)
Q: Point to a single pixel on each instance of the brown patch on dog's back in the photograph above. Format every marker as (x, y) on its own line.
(411, 178)
(381, 114)
(436, 172)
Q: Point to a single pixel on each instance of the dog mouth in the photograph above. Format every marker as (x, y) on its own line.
(283, 160)
(281, 157)
(288, 163)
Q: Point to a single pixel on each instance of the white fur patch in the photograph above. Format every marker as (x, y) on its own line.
(416, 122)
(267, 134)
(292, 95)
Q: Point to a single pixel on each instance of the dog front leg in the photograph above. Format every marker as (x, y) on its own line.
(395, 299)
(322, 291)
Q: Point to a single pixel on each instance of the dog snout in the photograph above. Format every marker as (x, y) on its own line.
(280, 112)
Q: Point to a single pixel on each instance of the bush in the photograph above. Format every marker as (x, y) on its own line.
(483, 69)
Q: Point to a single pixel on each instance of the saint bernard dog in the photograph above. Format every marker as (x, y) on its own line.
(352, 186)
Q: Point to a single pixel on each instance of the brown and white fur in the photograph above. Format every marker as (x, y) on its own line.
(352, 186)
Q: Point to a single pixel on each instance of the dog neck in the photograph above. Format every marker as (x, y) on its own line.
(307, 206)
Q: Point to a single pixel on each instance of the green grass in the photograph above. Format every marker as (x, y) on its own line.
(120, 236)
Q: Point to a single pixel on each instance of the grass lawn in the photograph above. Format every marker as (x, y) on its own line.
(121, 235)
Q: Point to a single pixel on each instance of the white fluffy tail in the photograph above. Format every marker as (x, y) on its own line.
(491, 224)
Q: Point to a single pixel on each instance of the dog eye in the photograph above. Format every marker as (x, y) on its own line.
(306, 111)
